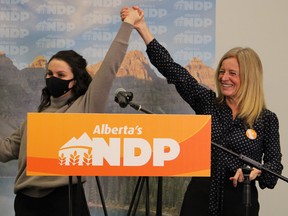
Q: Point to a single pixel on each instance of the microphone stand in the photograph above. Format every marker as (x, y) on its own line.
(139, 107)
(101, 195)
(141, 180)
(250, 162)
(79, 196)
(123, 101)
(246, 169)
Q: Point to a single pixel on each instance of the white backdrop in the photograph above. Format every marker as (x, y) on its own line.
(262, 25)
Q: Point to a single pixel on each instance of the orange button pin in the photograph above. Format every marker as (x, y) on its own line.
(251, 134)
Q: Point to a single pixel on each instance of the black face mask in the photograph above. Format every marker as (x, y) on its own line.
(57, 87)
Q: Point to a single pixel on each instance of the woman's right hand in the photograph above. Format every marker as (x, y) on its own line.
(131, 15)
(140, 25)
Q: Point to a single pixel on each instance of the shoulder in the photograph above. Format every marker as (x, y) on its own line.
(269, 117)
(268, 114)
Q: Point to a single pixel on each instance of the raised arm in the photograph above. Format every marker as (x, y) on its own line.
(187, 86)
(141, 25)
(97, 95)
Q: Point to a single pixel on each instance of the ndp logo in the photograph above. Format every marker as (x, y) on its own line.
(116, 152)
(118, 144)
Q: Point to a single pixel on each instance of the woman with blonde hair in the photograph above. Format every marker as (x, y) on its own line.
(251, 83)
(240, 122)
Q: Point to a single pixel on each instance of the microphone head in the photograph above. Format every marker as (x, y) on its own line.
(122, 97)
(119, 90)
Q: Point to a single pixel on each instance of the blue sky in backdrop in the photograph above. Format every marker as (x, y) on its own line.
(30, 28)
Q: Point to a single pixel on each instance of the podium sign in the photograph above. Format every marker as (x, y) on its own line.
(118, 145)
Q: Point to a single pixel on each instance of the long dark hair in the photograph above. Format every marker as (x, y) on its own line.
(78, 66)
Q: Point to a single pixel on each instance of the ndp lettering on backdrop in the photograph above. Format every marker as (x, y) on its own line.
(13, 32)
(14, 2)
(102, 3)
(194, 5)
(13, 16)
(56, 9)
(59, 24)
(14, 50)
(118, 144)
(193, 53)
(193, 22)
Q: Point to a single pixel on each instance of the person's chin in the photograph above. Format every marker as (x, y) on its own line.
(226, 92)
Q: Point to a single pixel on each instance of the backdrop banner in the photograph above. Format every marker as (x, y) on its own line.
(118, 144)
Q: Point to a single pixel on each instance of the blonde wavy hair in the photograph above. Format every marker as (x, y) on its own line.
(250, 96)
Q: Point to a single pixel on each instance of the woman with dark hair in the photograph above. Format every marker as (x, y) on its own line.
(240, 122)
(78, 65)
(69, 89)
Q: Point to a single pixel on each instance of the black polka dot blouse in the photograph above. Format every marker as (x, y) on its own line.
(225, 131)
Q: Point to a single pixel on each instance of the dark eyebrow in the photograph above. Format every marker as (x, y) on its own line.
(59, 71)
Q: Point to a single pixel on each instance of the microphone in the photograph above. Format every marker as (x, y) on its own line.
(122, 97)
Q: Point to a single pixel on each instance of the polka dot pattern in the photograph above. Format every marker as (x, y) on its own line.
(225, 131)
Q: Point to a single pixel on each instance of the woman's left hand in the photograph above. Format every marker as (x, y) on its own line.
(239, 176)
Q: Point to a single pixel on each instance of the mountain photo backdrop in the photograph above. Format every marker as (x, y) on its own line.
(32, 31)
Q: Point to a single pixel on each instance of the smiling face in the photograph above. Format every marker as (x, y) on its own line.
(229, 78)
